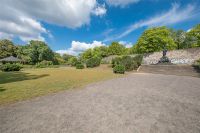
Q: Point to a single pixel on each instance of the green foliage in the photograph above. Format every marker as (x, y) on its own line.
(73, 61)
(116, 49)
(66, 57)
(11, 67)
(101, 51)
(195, 35)
(130, 63)
(7, 48)
(58, 60)
(116, 61)
(155, 39)
(93, 62)
(80, 66)
(138, 59)
(87, 55)
(44, 64)
(36, 51)
(197, 64)
(119, 69)
(179, 38)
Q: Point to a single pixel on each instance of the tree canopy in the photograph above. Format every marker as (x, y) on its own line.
(155, 39)
(116, 49)
(7, 48)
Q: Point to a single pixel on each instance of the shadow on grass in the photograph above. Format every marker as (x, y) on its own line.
(8, 77)
(1, 89)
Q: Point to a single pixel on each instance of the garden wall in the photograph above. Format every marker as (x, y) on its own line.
(184, 56)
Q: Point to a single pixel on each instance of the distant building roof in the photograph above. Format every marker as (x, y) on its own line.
(10, 59)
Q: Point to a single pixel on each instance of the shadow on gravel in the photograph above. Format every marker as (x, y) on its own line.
(197, 69)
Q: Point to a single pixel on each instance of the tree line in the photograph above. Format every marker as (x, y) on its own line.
(152, 40)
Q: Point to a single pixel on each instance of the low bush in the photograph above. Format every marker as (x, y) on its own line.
(80, 66)
(93, 62)
(44, 64)
(11, 67)
(130, 63)
(197, 64)
(116, 61)
(119, 69)
(138, 59)
(73, 61)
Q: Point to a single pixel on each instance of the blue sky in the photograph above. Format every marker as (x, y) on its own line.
(72, 26)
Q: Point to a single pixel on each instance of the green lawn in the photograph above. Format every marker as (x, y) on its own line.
(28, 83)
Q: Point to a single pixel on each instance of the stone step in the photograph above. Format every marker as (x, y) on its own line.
(182, 70)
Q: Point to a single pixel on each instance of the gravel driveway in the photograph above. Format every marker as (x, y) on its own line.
(137, 103)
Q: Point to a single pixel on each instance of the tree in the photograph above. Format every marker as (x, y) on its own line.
(58, 59)
(66, 57)
(116, 49)
(36, 51)
(86, 55)
(179, 37)
(7, 48)
(155, 39)
(101, 51)
(195, 35)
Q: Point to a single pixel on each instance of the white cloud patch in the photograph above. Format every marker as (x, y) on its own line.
(126, 44)
(78, 47)
(100, 10)
(173, 16)
(22, 18)
(121, 3)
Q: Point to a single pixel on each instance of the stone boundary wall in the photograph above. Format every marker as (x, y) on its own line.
(183, 56)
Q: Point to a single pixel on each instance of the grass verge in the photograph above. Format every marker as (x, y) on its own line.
(29, 83)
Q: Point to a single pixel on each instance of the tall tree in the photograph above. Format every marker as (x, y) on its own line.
(7, 48)
(155, 39)
(179, 37)
(116, 49)
(195, 35)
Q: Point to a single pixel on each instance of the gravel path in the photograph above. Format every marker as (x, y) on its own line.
(137, 103)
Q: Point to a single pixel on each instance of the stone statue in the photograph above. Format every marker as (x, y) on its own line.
(164, 52)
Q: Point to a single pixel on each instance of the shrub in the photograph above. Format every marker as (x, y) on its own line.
(138, 59)
(130, 63)
(116, 61)
(73, 61)
(93, 62)
(119, 69)
(11, 67)
(44, 64)
(197, 64)
(79, 66)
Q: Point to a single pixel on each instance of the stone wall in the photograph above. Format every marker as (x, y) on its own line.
(184, 56)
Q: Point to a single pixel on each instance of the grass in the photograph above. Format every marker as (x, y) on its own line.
(29, 83)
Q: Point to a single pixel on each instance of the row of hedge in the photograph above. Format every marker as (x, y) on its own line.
(90, 63)
(126, 63)
(11, 67)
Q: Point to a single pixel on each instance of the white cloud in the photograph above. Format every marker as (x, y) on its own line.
(100, 10)
(78, 47)
(121, 3)
(173, 16)
(22, 18)
(126, 44)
